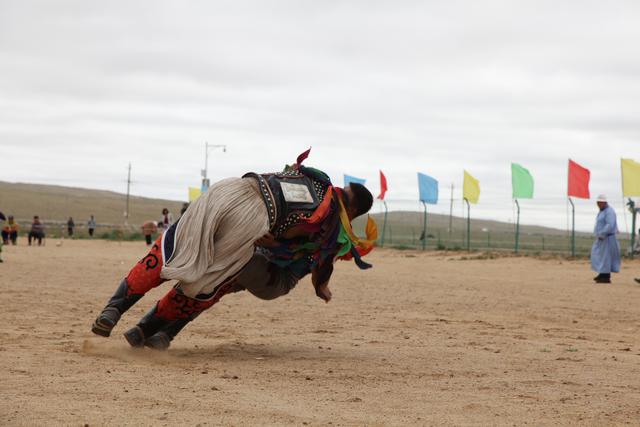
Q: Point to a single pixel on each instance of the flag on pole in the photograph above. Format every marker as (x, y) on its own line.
(521, 182)
(428, 189)
(470, 188)
(630, 178)
(348, 179)
(578, 185)
(194, 193)
(383, 186)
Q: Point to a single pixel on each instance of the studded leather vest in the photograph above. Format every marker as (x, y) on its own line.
(289, 197)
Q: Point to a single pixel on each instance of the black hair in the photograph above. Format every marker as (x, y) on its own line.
(362, 198)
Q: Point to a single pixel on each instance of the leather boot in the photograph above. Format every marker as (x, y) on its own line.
(161, 340)
(168, 317)
(146, 327)
(119, 303)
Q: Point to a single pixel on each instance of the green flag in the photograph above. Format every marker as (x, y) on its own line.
(522, 182)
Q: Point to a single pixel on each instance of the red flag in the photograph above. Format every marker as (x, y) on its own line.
(383, 186)
(578, 181)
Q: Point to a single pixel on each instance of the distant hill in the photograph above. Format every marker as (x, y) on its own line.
(55, 203)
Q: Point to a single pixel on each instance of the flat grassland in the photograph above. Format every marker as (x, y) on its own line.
(421, 339)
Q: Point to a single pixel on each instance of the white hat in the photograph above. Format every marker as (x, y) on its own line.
(602, 198)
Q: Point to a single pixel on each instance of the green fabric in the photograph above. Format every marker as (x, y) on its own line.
(522, 182)
(343, 238)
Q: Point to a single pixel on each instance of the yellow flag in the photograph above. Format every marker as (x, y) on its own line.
(630, 178)
(194, 193)
(471, 188)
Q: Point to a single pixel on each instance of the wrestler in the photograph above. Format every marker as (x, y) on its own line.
(206, 249)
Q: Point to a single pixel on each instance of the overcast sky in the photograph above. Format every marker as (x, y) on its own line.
(436, 87)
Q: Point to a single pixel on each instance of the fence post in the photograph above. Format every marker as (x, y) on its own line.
(573, 228)
(384, 224)
(424, 228)
(468, 225)
(517, 226)
(634, 212)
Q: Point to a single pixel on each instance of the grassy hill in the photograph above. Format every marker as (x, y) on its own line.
(56, 204)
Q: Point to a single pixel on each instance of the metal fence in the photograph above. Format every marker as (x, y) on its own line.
(397, 235)
(403, 237)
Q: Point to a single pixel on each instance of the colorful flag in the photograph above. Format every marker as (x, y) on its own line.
(470, 188)
(521, 182)
(383, 186)
(630, 178)
(348, 179)
(194, 193)
(428, 189)
(578, 185)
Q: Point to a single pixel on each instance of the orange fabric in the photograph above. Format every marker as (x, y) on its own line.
(321, 211)
(145, 275)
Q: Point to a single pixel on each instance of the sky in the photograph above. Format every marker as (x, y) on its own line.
(405, 86)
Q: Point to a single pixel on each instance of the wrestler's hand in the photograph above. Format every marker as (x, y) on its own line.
(323, 292)
(267, 241)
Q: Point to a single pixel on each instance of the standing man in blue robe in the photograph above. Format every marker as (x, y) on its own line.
(605, 253)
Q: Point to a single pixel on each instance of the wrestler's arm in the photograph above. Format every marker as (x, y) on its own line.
(320, 277)
(269, 241)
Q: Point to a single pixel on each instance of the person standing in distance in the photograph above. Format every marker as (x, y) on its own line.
(605, 252)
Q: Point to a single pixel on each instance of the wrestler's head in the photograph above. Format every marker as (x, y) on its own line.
(359, 200)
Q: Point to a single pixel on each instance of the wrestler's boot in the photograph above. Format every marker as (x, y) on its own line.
(121, 301)
(144, 276)
(170, 315)
(161, 340)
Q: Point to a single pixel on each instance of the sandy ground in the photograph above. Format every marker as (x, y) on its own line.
(422, 339)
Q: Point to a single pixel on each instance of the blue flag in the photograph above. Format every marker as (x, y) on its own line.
(428, 189)
(348, 179)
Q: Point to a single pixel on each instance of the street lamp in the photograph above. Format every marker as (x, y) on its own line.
(207, 146)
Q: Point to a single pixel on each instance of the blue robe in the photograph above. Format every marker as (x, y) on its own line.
(605, 254)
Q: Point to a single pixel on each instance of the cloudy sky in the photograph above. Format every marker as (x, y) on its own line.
(402, 86)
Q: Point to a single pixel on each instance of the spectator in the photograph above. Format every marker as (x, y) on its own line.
(91, 225)
(37, 231)
(167, 218)
(70, 225)
(10, 231)
(605, 253)
(149, 228)
(2, 218)
(185, 206)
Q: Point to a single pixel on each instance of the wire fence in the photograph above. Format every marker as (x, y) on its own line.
(400, 237)
(399, 234)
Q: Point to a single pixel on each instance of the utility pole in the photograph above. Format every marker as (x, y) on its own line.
(205, 171)
(126, 210)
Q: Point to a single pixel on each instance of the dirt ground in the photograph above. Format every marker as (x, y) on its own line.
(421, 339)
